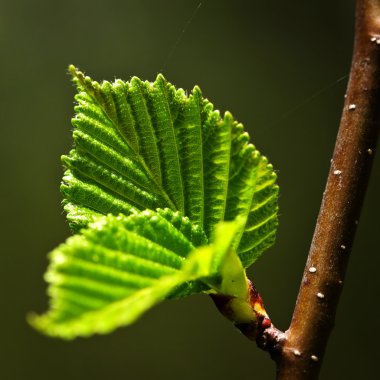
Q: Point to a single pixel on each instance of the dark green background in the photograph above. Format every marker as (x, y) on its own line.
(258, 59)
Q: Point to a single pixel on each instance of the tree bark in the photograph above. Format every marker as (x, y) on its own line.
(305, 342)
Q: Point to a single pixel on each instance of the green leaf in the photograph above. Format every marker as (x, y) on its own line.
(142, 145)
(223, 269)
(109, 275)
(167, 199)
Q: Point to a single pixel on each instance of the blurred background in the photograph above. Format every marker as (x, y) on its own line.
(281, 69)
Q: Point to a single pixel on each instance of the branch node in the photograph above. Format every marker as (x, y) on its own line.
(271, 340)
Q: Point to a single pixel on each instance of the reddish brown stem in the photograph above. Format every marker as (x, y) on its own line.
(313, 319)
(299, 351)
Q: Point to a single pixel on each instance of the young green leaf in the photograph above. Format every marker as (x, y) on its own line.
(110, 274)
(168, 199)
(221, 259)
(142, 145)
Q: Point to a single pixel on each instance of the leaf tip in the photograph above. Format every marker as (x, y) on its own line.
(228, 118)
(160, 79)
(36, 321)
(136, 84)
(197, 91)
(44, 325)
(72, 70)
(81, 80)
(76, 74)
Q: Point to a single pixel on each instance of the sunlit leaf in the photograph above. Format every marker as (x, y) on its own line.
(168, 198)
(108, 276)
(142, 145)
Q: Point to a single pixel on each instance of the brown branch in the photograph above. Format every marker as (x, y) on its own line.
(299, 351)
(313, 319)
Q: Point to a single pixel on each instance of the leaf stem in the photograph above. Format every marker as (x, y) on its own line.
(313, 319)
